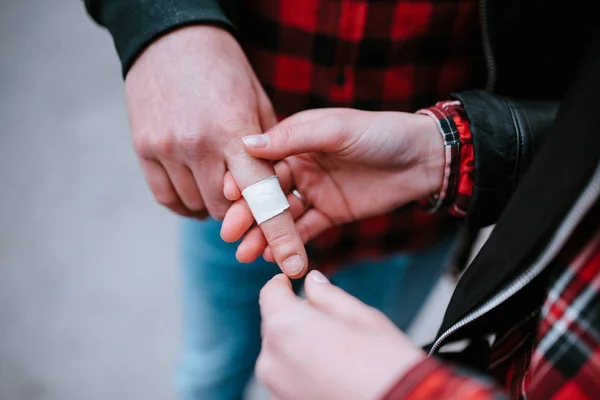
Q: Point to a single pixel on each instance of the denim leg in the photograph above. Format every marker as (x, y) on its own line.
(397, 286)
(221, 332)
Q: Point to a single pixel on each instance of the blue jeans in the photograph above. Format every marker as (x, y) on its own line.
(221, 335)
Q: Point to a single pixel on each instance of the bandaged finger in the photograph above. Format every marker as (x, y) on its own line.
(265, 199)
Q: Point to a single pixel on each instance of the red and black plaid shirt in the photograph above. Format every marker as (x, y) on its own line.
(386, 55)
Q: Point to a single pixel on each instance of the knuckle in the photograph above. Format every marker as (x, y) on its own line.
(238, 125)
(195, 205)
(304, 232)
(233, 130)
(218, 207)
(263, 294)
(376, 317)
(376, 314)
(234, 150)
(166, 199)
(218, 214)
(141, 145)
(277, 330)
(164, 145)
(285, 133)
(263, 370)
(337, 126)
(280, 240)
(288, 137)
(336, 123)
(191, 142)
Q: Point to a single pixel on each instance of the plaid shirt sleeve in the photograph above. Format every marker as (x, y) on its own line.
(431, 379)
(457, 186)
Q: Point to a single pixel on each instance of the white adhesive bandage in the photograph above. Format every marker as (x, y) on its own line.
(265, 199)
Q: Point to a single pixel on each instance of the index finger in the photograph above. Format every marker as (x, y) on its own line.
(280, 231)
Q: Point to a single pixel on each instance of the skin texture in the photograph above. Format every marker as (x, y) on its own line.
(192, 96)
(330, 346)
(347, 164)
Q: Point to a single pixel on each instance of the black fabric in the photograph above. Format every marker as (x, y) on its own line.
(506, 134)
(558, 174)
(537, 47)
(134, 24)
(476, 355)
(536, 43)
(539, 44)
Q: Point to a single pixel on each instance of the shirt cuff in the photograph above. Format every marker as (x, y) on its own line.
(431, 379)
(134, 24)
(458, 182)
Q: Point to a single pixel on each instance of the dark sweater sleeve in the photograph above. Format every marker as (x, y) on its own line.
(134, 24)
(505, 133)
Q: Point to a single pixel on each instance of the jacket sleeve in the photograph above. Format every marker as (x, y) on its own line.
(134, 24)
(430, 379)
(506, 134)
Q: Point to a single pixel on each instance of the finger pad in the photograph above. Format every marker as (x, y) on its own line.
(236, 223)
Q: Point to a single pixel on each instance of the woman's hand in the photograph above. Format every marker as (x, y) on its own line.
(329, 347)
(346, 165)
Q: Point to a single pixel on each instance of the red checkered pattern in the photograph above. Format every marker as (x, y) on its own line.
(553, 353)
(459, 178)
(466, 172)
(374, 55)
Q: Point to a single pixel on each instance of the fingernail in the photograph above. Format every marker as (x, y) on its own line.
(318, 277)
(256, 140)
(293, 265)
(231, 193)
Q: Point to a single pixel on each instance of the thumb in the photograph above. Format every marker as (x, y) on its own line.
(277, 295)
(337, 303)
(302, 133)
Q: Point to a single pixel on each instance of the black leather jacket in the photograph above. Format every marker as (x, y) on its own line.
(499, 289)
(532, 50)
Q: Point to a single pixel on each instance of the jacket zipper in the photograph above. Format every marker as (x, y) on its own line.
(578, 211)
(487, 46)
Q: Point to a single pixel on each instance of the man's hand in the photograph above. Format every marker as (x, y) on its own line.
(346, 164)
(329, 347)
(192, 96)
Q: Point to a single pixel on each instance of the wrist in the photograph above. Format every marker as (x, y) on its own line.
(404, 357)
(180, 44)
(453, 131)
(431, 159)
